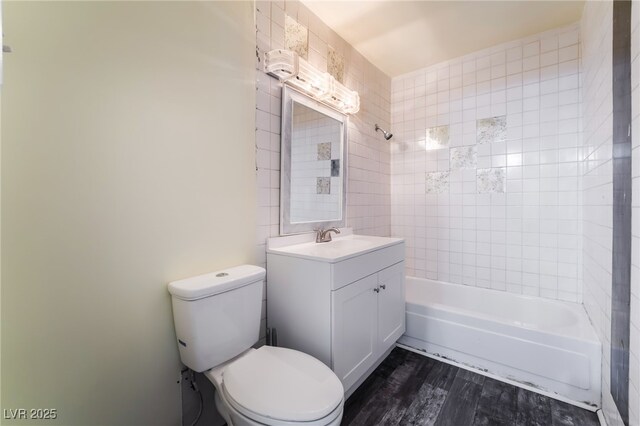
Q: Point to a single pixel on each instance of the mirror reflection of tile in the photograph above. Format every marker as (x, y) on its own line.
(335, 168)
(315, 154)
(323, 185)
(324, 151)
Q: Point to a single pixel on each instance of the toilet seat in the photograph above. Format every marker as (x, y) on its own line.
(283, 385)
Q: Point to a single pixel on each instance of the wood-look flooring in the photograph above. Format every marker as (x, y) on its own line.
(411, 389)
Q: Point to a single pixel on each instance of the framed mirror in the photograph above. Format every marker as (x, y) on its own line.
(313, 181)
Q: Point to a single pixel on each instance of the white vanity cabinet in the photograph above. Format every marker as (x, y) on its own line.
(344, 307)
(367, 319)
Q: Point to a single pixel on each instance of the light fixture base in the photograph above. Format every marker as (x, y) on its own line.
(289, 68)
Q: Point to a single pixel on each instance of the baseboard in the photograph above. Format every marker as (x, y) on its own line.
(511, 382)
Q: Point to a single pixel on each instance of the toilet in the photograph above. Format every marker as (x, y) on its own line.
(217, 321)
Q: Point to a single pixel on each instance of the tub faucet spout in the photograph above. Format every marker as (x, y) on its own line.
(324, 235)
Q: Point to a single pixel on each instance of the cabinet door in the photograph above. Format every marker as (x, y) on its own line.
(354, 329)
(391, 305)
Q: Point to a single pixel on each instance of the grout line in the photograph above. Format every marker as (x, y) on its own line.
(509, 381)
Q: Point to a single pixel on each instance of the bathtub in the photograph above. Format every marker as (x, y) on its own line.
(543, 343)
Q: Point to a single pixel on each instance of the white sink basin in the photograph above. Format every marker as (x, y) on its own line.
(341, 248)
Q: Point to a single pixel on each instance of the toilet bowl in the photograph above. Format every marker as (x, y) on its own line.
(277, 386)
(217, 321)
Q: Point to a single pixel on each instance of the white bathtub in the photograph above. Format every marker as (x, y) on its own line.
(547, 344)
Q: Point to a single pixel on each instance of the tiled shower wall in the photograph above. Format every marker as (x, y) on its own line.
(597, 29)
(368, 164)
(597, 179)
(597, 32)
(315, 194)
(485, 167)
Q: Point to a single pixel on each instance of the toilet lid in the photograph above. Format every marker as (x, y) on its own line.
(282, 384)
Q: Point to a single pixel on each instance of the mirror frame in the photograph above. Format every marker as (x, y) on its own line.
(289, 96)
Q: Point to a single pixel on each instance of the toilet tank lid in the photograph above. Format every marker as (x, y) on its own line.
(213, 283)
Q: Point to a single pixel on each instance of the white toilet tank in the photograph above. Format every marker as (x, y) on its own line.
(217, 315)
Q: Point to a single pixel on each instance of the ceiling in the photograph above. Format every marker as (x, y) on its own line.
(402, 36)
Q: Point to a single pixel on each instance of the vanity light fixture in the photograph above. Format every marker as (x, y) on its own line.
(295, 71)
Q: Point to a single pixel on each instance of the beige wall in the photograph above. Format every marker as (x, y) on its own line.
(128, 161)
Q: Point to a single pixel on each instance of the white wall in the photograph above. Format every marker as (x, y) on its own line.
(128, 161)
(524, 236)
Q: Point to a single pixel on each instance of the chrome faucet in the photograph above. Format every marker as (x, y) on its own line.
(324, 235)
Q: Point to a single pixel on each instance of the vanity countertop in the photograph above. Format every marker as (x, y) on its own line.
(344, 246)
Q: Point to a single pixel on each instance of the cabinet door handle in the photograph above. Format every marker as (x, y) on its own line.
(377, 290)
(383, 286)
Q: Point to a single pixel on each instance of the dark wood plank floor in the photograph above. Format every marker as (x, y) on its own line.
(411, 389)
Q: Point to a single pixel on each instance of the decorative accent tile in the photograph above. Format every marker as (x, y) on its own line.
(323, 185)
(437, 182)
(324, 151)
(491, 180)
(335, 64)
(463, 157)
(335, 168)
(296, 37)
(492, 129)
(437, 138)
